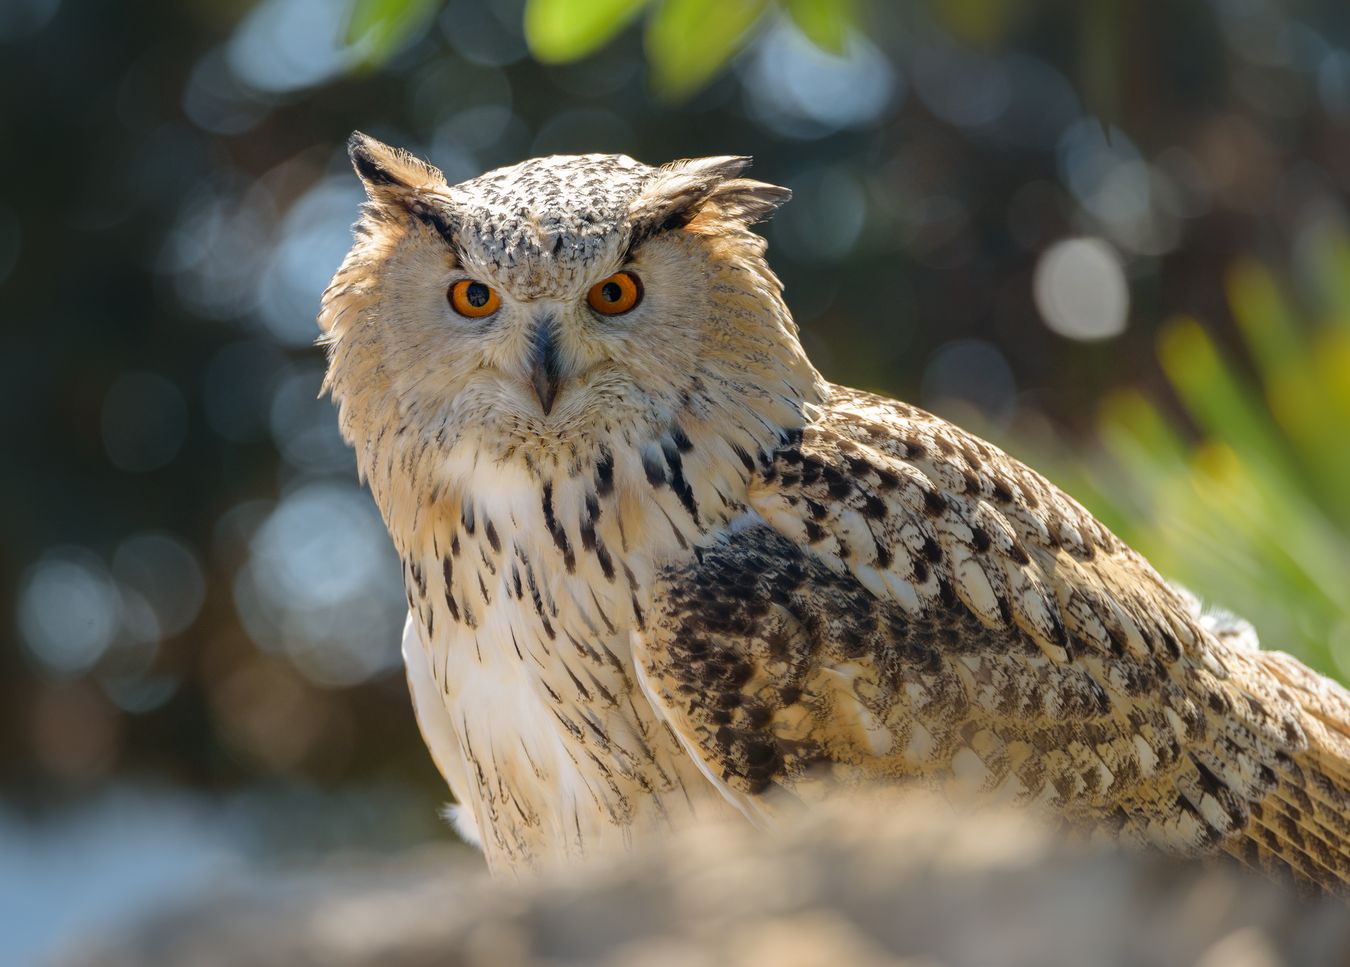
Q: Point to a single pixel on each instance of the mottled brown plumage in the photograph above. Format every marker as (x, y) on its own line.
(918, 604)
(705, 578)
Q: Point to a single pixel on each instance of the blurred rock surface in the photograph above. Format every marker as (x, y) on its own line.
(860, 884)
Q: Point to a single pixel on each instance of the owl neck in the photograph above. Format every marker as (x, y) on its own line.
(592, 527)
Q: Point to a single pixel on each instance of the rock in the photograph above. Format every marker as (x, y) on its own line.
(864, 884)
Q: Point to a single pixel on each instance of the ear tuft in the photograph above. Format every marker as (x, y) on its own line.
(746, 201)
(682, 190)
(672, 197)
(397, 181)
(386, 170)
(714, 169)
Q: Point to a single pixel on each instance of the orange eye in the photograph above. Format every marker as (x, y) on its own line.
(615, 295)
(474, 299)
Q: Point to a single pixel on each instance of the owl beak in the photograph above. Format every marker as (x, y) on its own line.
(545, 368)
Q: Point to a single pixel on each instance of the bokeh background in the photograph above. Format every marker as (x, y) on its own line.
(1110, 235)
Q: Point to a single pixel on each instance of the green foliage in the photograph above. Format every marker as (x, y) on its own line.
(826, 23)
(1244, 495)
(688, 41)
(377, 29)
(559, 31)
(981, 22)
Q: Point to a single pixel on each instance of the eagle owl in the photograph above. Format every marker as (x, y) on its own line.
(659, 570)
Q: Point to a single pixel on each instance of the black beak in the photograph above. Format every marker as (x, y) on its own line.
(544, 369)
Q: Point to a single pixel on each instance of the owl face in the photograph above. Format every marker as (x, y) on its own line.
(553, 307)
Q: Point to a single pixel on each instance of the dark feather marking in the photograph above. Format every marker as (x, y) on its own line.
(568, 724)
(606, 565)
(744, 457)
(609, 625)
(679, 534)
(613, 659)
(610, 698)
(368, 166)
(538, 601)
(555, 529)
(604, 474)
(447, 570)
(582, 647)
(934, 503)
(656, 473)
(469, 753)
(582, 690)
(419, 578)
(886, 480)
(678, 483)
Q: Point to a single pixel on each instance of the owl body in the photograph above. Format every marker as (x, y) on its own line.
(659, 570)
(518, 649)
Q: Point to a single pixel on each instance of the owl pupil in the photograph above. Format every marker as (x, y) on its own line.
(476, 295)
(611, 292)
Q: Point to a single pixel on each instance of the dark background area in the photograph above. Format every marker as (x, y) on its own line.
(1042, 220)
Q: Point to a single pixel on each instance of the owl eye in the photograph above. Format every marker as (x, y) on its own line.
(615, 295)
(474, 299)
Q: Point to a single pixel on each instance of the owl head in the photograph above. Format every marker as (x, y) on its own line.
(548, 311)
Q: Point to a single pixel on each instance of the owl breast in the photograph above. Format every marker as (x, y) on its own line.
(523, 603)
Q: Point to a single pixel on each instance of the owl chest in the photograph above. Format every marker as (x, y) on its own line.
(553, 746)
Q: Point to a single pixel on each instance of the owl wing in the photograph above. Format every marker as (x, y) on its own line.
(908, 602)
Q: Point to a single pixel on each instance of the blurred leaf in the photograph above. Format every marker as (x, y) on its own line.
(559, 31)
(1215, 398)
(984, 23)
(1131, 413)
(826, 23)
(688, 41)
(378, 29)
(1255, 515)
(1303, 396)
(1265, 320)
(1334, 265)
(1101, 32)
(1331, 360)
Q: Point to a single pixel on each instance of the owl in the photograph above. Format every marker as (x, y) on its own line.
(660, 571)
